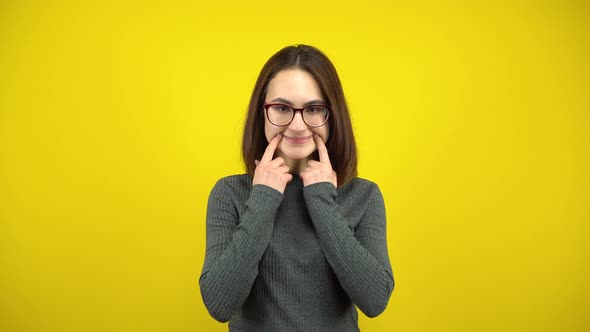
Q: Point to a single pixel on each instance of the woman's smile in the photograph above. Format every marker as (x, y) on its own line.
(297, 139)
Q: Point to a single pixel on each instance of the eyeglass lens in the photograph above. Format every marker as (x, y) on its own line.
(281, 115)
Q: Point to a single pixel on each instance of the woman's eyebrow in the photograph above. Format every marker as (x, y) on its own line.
(285, 101)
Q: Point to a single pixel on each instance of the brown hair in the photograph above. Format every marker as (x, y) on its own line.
(341, 143)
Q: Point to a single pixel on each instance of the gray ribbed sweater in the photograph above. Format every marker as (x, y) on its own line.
(298, 261)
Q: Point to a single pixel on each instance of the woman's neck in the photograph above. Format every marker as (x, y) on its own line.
(296, 166)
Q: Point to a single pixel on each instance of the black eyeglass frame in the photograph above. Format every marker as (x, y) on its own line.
(295, 110)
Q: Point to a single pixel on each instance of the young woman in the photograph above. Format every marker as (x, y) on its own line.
(299, 241)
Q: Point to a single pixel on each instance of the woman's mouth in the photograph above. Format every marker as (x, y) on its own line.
(297, 140)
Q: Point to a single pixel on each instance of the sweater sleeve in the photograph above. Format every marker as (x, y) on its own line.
(235, 245)
(360, 259)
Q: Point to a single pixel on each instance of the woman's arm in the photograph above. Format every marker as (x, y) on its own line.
(235, 246)
(360, 260)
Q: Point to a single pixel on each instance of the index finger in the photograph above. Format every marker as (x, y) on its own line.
(322, 150)
(270, 149)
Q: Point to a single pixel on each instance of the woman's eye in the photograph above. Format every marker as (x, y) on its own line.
(315, 109)
(282, 108)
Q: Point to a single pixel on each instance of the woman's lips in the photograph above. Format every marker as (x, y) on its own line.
(297, 140)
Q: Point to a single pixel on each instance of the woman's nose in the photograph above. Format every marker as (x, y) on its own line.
(298, 123)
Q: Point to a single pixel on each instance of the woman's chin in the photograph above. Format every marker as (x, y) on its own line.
(296, 155)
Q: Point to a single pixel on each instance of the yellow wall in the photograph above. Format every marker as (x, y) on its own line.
(117, 119)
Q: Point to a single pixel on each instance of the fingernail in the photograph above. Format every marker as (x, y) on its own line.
(279, 135)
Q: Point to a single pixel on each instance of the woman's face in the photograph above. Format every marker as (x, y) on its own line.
(296, 88)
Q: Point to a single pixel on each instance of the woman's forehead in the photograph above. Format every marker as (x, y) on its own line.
(294, 85)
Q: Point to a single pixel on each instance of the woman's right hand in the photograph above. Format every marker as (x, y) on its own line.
(272, 172)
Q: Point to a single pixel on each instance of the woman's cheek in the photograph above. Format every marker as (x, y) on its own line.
(324, 134)
(271, 131)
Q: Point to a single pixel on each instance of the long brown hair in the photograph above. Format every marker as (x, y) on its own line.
(341, 144)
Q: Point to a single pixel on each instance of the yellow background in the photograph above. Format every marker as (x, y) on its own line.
(117, 119)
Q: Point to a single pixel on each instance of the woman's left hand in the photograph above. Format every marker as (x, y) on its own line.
(319, 171)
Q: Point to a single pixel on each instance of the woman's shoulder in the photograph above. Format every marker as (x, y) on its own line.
(359, 186)
(231, 188)
(236, 181)
(358, 182)
(244, 177)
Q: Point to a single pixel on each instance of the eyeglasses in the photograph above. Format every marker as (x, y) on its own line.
(282, 114)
